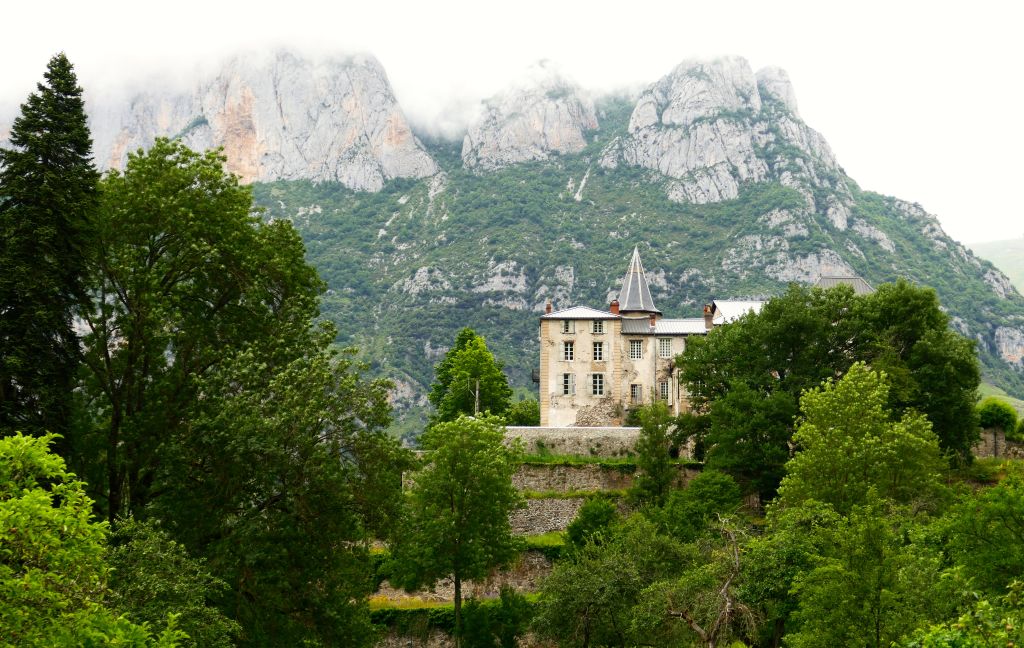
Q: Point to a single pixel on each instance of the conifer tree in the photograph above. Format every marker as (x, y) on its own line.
(48, 189)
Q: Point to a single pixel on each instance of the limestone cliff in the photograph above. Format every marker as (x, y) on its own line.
(281, 117)
(542, 116)
(714, 125)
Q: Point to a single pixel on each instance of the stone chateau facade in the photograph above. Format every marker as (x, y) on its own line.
(595, 364)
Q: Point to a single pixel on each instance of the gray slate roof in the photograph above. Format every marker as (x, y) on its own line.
(860, 287)
(635, 296)
(642, 326)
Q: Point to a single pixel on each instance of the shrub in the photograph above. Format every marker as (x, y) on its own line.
(994, 413)
(593, 518)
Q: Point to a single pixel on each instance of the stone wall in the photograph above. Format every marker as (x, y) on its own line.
(577, 477)
(524, 576)
(580, 441)
(544, 515)
(993, 443)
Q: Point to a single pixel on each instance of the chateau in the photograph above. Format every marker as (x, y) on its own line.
(597, 364)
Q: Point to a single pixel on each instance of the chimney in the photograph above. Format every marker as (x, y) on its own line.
(547, 308)
(708, 316)
(654, 320)
(614, 308)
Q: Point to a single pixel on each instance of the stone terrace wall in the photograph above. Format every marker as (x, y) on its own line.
(993, 443)
(580, 441)
(524, 576)
(575, 477)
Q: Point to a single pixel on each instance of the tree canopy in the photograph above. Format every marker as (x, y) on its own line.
(469, 380)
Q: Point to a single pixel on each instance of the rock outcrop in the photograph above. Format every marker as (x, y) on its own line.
(543, 116)
(711, 126)
(278, 118)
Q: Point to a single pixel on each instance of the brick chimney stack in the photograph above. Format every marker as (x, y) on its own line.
(708, 316)
(614, 308)
(547, 308)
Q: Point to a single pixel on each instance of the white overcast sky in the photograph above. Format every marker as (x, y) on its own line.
(921, 100)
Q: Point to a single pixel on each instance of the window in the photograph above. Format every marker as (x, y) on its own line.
(568, 384)
(567, 350)
(663, 390)
(598, 351)
(636, 349)
(597, 384)
(636, 393)
(598, 326)
(664, 347)
(568, 326)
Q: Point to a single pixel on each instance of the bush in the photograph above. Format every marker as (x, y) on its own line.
(493, 624)
(689, 511)
(525, 412)
(1019, 434)
(994, 413)
(594, 518)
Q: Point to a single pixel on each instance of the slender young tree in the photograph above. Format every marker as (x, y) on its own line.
(47, 195)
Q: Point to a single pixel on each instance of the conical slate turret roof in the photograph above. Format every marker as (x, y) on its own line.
(635, 296)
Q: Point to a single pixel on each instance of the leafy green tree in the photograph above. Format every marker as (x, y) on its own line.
(469, 381)
(983, 626)
(53, 576)
(873, 584)
(749, 437)
(985, 534)
(589, 599)
(691, 511)
(849, 445)
(457, 523)
(591, 523)
(994, 413)
(183, 275)
(525, 412)
(1019, 436)
(47, 197)
(153, 575)
(280, 481)
(701, 606)
(497, 626)
(657, 472)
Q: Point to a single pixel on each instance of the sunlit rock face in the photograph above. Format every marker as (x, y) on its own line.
(281, 117)
(541, 116)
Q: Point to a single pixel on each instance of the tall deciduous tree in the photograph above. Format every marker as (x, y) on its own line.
(657, 472)
(849, 446)
(469, 380)
(183, 275)
(458, 524)
(47, 196)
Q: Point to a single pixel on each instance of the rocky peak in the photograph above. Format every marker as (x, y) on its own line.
(281, 117)
(543, 115)
(697, 90)
(773, 84)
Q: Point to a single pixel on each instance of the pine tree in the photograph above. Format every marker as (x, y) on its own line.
(48, 189)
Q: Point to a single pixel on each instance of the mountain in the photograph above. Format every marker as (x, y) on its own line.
(1008, 256)
(710, 170)
(278, 117)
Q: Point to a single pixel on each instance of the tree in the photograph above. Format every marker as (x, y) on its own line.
(983, 625)
(997, 414)
(749, 437)
(457, 523)
(985, 533)
(691, 511)
(53, 575)
(591, 523)
(469, 380)
(525, 412)
(872, 585)
(153, 575)
(47, 197)
(849, 445)
(656, 471)
(589, 599)
(283, 476)
(703, 603)
(183, 275)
